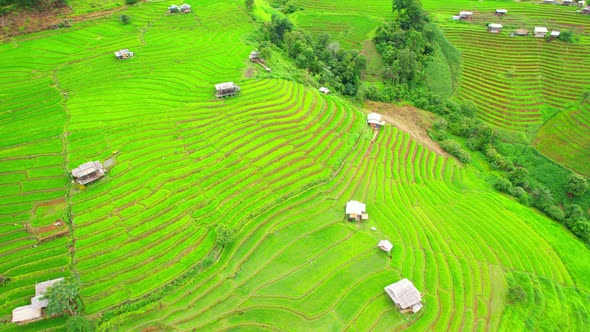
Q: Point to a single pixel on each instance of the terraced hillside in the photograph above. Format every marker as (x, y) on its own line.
(300, 266)
(276, 164)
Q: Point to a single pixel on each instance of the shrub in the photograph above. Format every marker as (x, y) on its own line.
(518, 175)
(225, 235)
(518, 192)
(503, 185)
(576, 185)
(131, 2)
(79, 324)
(555, 212)
(455, 149)
(542, 198)
(125, 19)
(574, 211)
(516, 294)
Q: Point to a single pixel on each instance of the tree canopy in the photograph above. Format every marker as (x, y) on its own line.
(63, 297)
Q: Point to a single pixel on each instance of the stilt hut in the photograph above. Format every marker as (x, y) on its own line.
(385, 245)
(405, 296)
(374, 120)
(324, 90)
(501, 12)
(185, 8)
(88, 172)
(495, 27)
(540, 32)
(226, 89)
(123, 54)
(356, 211)
(465, 15)
(173, 9)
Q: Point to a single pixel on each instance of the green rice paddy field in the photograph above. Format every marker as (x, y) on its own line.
(518, 83)
(276, 164)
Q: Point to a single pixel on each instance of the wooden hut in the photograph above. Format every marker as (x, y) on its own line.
(374, 120)
(555, 34)
(356, 211)
(540, 32)
(173, 9)
(405, 296)
(495, 27)
(324, 90)
(254, 55)
(521, 32)
(567, 2)
(586, 10)
(35, 309)
(465, 15)
(581, 3)
(501, 12)
(123, 54)
(549, 2)
(88, 172)
(226, 89)
(385, 245)
(185, 8)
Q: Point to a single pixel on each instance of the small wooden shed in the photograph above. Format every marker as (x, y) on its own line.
(123, 54)
(356, 211)
(567, 2)
(324, 90)
(254, 55)
(405, 296)
(374, 120)
(555, 34)
(495, 27)
(540, 32)
(185, 8)
(88, 172)
(501, 12)
(385, 245)
(521, 32)
(173, 9)
(549, 2)
(226, 89)
(465, 15)
(586, 10)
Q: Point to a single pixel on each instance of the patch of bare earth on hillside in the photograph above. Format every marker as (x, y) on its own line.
(29, 21)
(409, 119)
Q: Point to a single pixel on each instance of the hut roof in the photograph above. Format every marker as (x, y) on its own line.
(465, 13)
(324, 90)
(185, 6)
(501, 11)
(555, 33)
(25, 313)
(521, 32)
(540, 30)
(404, 293)
(122, 52)
(495, 25)
(374, 118)
(87, 168)
(385, 245)
(225, 86)
(173, 7)
(355, 207)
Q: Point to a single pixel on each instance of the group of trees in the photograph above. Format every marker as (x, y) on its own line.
(37, 4)
(326, 62)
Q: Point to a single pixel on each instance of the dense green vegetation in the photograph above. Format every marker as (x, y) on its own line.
(228, 214)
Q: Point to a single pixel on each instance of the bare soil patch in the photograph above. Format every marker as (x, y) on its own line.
(409, 119)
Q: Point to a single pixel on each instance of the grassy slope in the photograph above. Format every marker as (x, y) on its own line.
(295, 259)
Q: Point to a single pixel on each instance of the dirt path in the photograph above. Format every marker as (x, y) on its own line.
(410, 120)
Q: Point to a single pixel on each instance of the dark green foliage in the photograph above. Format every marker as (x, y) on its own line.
(503, 185)
(555, 212)
(64, 297)
(79, 324)
(580, 227)
(131, 2)
(518, 176)
(225, 235)
(575, 212)
(329, 64)
(36, 4)
(455, 149)
(576, 185)
(265, 51)
(125, 19)
(516, 294)
(410, 14)
(542, 198)
(249, 4)
(566, 36)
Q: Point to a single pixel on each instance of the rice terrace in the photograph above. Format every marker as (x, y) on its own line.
(294, 165)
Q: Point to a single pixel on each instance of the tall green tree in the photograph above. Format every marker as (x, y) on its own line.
(63, 297)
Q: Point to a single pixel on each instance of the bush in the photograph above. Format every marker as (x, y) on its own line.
(542, 198)
(518, 192)
(125, 19)
(79, 324)
(574, 211)
(455, 149)
(516, 294)
(555, 212)
(576, 185)
(518, 175)
(503, 185)
(131, 2)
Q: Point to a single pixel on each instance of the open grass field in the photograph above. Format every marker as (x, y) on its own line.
(276, 164)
